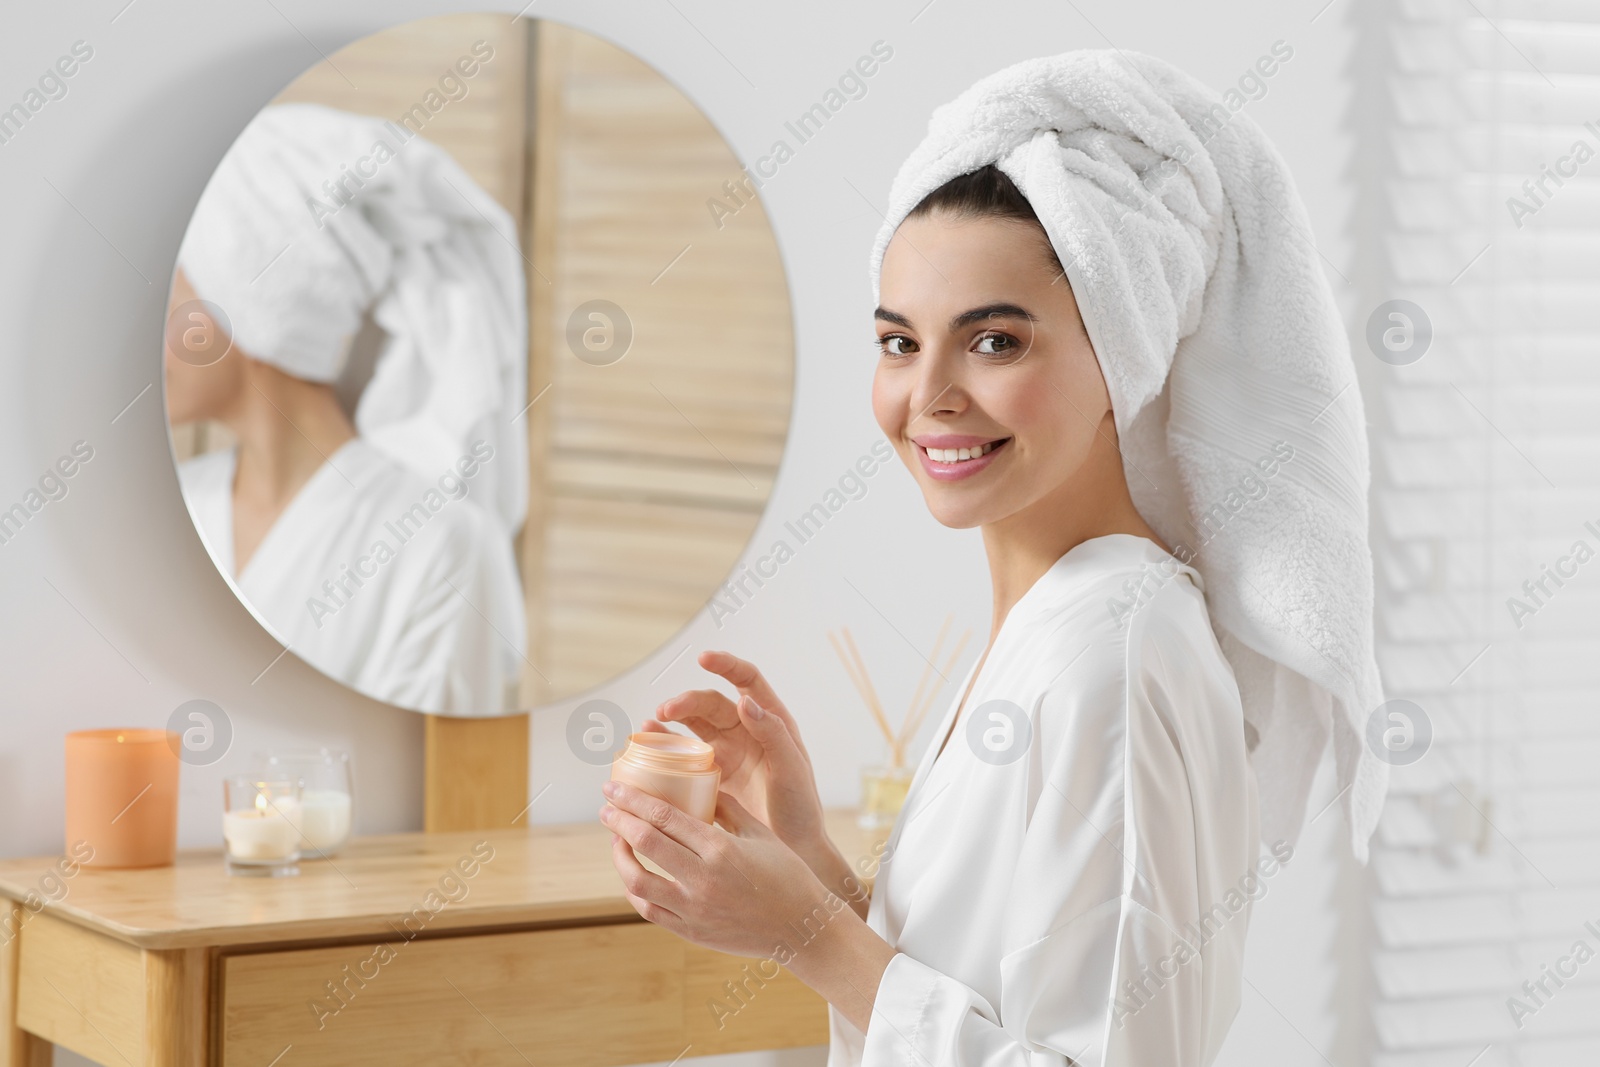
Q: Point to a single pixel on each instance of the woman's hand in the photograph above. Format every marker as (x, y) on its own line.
(757, 744)
(738, 888)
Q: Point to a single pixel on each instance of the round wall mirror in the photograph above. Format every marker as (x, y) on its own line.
(478, 364)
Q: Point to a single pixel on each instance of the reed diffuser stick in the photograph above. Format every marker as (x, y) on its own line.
(849, 669)
(872, 693)
(916, 712)
(922, 683)
(949, 665)
(864, 687)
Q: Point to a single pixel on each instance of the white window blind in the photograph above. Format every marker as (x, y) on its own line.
(1486, 476)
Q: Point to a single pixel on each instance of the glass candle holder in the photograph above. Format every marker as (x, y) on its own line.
(260, 825)
(883, 794)
(326, 796)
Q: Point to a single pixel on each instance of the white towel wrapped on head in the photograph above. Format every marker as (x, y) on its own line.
(1192, 262)
(295, 262)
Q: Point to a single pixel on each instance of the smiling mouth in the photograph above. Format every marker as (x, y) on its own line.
(962, 455)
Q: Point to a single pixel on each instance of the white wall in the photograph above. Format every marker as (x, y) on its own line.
(112, 612)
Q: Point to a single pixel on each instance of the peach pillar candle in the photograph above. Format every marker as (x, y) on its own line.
(122, 796)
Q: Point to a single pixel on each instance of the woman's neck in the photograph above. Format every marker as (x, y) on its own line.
(287, 429)
(1094, 502)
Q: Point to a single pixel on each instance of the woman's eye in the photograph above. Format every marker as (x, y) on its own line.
(997, 344)
(895, 345)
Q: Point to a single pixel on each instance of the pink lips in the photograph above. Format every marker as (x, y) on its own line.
(966, 468)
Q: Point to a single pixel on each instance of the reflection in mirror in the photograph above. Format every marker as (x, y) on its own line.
(477, 383)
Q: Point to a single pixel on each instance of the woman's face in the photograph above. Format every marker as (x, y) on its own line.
(983, 354)
(199, 385)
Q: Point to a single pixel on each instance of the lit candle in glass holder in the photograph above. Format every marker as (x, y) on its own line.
(261, 825)
(325, 798)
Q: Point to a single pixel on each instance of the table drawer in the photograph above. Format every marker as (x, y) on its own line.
(592, 996)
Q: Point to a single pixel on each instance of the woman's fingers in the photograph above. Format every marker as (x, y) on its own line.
(645, 889)
(737, 819)
(711, 708)
(664, 833)
(727, 740)
(743, 676)
(714, 711)
(701, 728)
(772, 733)
(714, 719)
(649, 841)
(642, 838)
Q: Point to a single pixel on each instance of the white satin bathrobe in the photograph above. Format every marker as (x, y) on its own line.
(436, 622)
(1086, 902)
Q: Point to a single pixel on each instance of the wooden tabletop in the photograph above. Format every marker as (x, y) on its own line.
(542, 874)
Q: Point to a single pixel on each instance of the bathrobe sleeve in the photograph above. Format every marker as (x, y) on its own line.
(1100, 963)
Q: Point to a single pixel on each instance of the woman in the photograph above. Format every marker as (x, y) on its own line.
(376, 545)
(1105, 340)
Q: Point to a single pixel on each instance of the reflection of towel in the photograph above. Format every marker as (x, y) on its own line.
(294, 266)
(1191, 259)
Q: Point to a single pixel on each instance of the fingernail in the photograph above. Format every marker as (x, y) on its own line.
(756, 710)
(609, 788)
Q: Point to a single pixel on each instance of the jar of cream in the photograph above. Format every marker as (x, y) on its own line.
(677, 768)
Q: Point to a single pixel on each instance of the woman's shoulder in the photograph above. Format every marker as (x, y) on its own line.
(392, 486)
(1129, 610)
(1129, 661)
(1114, 589)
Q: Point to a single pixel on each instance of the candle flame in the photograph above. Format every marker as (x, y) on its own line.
(261, 802)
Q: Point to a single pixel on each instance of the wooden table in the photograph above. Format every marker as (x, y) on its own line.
(483, 947)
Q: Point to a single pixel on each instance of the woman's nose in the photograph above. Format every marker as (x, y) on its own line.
(937, 389)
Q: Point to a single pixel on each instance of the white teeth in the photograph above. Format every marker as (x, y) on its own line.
(957, 455)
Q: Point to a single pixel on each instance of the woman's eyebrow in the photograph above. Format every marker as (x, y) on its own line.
(990, 311)
(966, 318)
